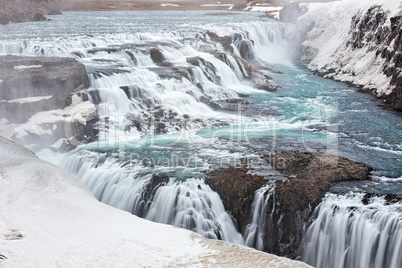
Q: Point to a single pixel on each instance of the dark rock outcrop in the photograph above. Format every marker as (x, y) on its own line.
(225, 41)
(246, 49)
(156, 55)
(309, 178)
(389, 198)
(52, 81)
(207, 68)
(262, 80)
(236, 188)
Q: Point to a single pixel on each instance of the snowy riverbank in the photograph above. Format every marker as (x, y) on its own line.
(48, 218)
(357, 43)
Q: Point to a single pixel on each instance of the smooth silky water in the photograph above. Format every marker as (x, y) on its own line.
(307, 112)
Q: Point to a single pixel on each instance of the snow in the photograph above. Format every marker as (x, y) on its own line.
(38, 124)
(22, 67)
(30, 99)
(230, 6)
(49, 219)
(48, 121)
(169, 5)
(82, 112)
(266, 9)
(326, 43)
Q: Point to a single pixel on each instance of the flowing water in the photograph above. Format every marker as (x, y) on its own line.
(163, 125)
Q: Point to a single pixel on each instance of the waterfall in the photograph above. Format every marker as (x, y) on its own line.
(349, 233)
(156, 78)
(189, 204)
(194, 206)
(256, 230)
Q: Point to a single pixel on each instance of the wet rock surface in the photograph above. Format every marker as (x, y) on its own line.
(149, 191)
(156, 55)
(261, 80)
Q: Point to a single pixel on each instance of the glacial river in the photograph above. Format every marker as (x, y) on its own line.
(163, 119)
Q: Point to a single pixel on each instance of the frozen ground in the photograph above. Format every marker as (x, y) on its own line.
(49, 219)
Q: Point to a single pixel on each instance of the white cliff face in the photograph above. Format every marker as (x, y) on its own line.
(48, 218)
(331, 49)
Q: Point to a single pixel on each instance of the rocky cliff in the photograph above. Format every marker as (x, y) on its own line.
(356, 43)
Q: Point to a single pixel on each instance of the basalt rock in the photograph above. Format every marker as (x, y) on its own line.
(23, 77)
(372, 32)
(246, 49)
(149, 191)
(207, 68)
(377, 36)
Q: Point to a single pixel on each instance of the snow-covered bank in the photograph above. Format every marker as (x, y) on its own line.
(357, 43)
(48, 218)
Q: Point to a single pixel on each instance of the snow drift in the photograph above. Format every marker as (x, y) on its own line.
(48, 218)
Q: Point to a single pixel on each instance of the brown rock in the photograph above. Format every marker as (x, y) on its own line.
(236, 188)
(156, 55)
(310, 176)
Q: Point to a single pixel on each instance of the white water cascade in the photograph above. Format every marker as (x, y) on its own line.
(348, 233)
(158, 79)
(189, 204)
(256, 230)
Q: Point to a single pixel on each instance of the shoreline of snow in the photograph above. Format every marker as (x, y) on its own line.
(48, 218)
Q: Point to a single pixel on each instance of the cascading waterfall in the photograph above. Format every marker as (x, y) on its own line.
(256, 230)
(193, 205)
(348, 233)
(140, 97)
(183, 93)
(189, 204)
